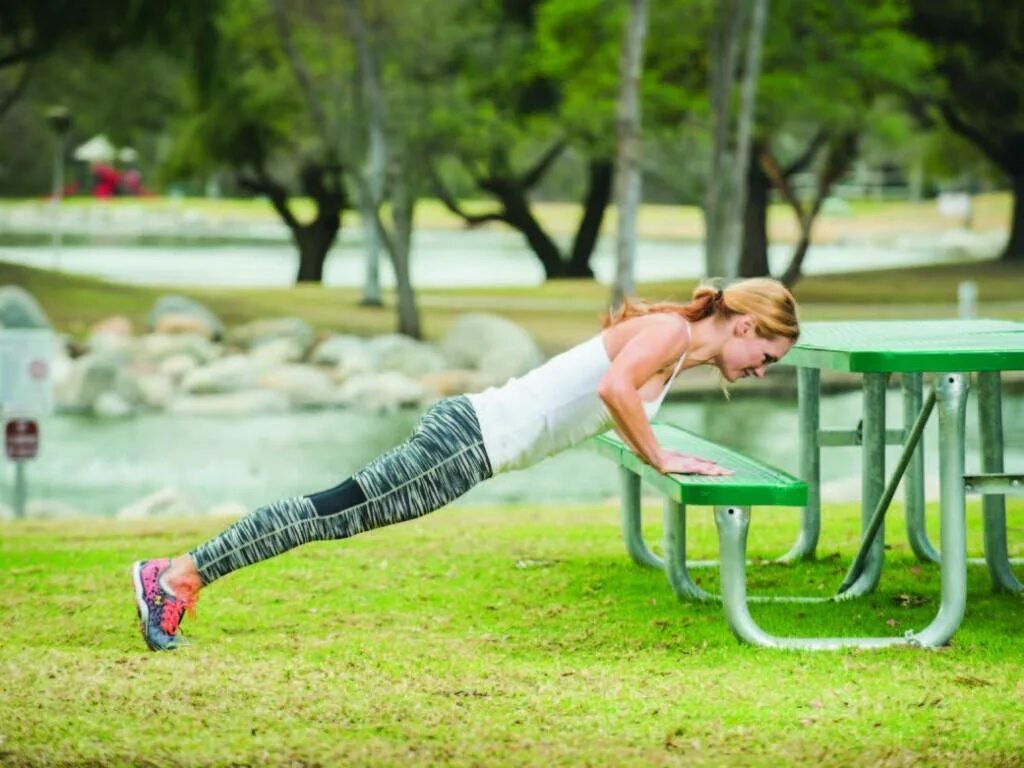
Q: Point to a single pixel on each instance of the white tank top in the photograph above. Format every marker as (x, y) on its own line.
(550, 408)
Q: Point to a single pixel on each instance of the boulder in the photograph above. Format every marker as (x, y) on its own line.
(401, 354)
(114, 333)
(304, 385)
(496, 347)
(19, 309)
(334, 350)
(167, 502)
(112, 405)
(383, 392)
(177, 366)
(259, 332)
(243, 403)
(89, 377)
(50, 509)
(228, 374)
(175, 314)
(157, 347)
(156, 390)
(455, 382)
(278, 351)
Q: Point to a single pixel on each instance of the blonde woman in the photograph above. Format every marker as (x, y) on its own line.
(616, 379)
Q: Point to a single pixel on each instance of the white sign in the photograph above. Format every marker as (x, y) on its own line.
(26, 376)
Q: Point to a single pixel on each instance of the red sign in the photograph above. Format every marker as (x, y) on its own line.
(22, 439)
(38, 369)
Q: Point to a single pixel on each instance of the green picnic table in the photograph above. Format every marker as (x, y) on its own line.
(950, 350)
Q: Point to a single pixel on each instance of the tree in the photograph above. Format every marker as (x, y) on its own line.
(978, 46)
(537, 79)
(828, 69)
(627, 165)
(726, 189)
(273, 115)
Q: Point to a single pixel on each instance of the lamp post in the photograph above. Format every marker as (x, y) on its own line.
(59, 119)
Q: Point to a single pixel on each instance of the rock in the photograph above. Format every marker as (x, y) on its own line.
(278, 351)
(382, 392)
(233, 404)
(335, 349)
(166, 502)
(305, 385)
(111, 405)
(177, 366)
(455, 382)
(229, 374)
(157, 347)
(116, 325)
(259, 332)
(175, 314)
(19, 309)
(496, 347)
(90, 376)
(112, 333)
(228, 509)
(402, 354)
(156, 390)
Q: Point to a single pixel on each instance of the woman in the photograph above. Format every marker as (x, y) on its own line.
(616, 379)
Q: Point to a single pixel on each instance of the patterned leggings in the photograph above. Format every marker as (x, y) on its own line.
(443, 459)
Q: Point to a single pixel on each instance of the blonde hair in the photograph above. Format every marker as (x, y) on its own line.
(768, 301)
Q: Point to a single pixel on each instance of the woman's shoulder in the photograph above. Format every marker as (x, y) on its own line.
(672, 328)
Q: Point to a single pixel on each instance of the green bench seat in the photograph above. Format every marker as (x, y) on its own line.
(753, 483)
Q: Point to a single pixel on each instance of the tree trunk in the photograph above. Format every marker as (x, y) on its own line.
(519, 216)
(599, 193)
(729, 22)
(314, 241)
(628, 180)
(1014, 250)
(402, 206)
(754, 256)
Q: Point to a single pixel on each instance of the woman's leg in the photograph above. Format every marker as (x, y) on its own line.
(443, 459)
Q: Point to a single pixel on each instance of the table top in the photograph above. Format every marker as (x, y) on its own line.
(891, 346)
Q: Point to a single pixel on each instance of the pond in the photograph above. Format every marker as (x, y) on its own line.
(454, 258)
(100, 466)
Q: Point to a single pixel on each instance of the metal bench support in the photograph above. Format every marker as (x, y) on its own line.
(734, 522)
(809, 387)
(913, 485)
(632, 531)
(990, 415)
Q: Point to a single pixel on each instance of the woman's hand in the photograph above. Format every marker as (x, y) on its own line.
(681, 463)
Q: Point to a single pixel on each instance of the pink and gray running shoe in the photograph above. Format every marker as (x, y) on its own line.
(160, 612)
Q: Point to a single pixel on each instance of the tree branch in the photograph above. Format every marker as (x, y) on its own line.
(449, 202)
(8, 101)
(975, 136)
(532, 176)
(801, 162)
(262, 184)
(302, 77)
(771, 168)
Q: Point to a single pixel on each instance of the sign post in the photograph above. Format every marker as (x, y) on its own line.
(21, 440)
(26, 391)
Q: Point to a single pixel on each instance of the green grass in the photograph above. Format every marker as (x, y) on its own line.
(428, 643)
(557, 314)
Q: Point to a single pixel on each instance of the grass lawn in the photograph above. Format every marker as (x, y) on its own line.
(557, 314)
(516, 635)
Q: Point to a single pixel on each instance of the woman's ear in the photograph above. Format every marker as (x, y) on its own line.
(745, 325)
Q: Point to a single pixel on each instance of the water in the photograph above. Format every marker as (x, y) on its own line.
(448, 259)
(98, 467)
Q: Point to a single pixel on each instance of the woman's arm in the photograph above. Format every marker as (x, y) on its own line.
(654, 347)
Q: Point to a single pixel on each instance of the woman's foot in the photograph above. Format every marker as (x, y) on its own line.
(161, 603)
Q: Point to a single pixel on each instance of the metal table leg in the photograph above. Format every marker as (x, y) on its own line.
(675, 554)
(809, 404)
(631, 522)
(913, 483)
(990, 414)
(733, 524)
(872, 480)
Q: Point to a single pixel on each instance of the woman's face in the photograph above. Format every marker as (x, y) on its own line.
(747, 354)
